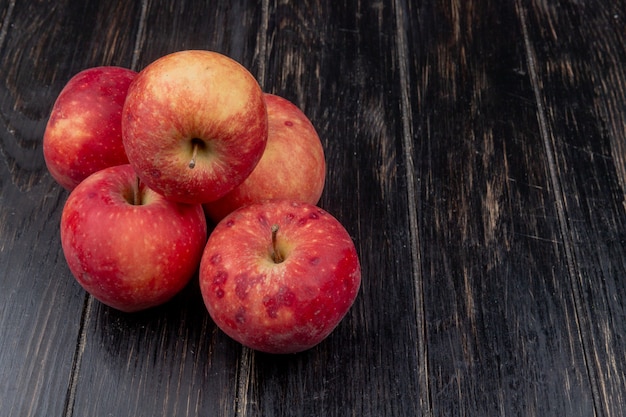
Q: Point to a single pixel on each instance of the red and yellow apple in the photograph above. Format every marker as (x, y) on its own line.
(84, 132)
(279, 276)
(194, 125)
(127, 245)
(292, 167)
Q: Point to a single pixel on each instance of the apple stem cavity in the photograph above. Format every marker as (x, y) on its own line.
(277, 257)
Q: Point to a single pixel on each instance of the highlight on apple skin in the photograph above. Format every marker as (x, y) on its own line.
(127, 245)
(84, 132)
(279, 276)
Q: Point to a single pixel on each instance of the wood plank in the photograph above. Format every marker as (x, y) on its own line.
(231, 28)
(338, 63)
(170, 360)
(580, 51)
(503, 338)
(40, 303)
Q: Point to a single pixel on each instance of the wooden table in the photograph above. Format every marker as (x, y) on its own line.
(476, 154)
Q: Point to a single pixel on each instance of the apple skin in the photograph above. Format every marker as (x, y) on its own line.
(284, 307)
(84, 132)
(291, 168)
(130, 256)
(194, 99)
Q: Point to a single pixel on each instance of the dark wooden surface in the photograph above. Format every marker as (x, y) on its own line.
(476, 154)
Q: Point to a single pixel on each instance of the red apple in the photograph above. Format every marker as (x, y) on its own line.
(291, 168)
(194, 125)
(127, 245)
(279, 276)
(84, 131)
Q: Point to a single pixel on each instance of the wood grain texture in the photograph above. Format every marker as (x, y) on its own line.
(476, 155)
(503, 336)
(584, 120)
(40, 309)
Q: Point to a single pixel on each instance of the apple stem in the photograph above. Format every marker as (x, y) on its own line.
(136, 192)
(276, 256)
(192, 163)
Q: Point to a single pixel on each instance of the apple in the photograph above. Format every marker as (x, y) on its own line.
(279, 276)
(291, 168)
(194, 125)
(127, 245)
(84, 132)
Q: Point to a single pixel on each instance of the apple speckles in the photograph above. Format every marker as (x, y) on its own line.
(154, 173)
(216, 259)
(262, 219)
(240, 316)
(220, 278)
(283, 298)
(348, 282)
(243, 284)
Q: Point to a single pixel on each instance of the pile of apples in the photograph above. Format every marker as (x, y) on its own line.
(188, 167)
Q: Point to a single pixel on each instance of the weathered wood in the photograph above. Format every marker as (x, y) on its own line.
(40, 305)
(580, 81)
(503, 336)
